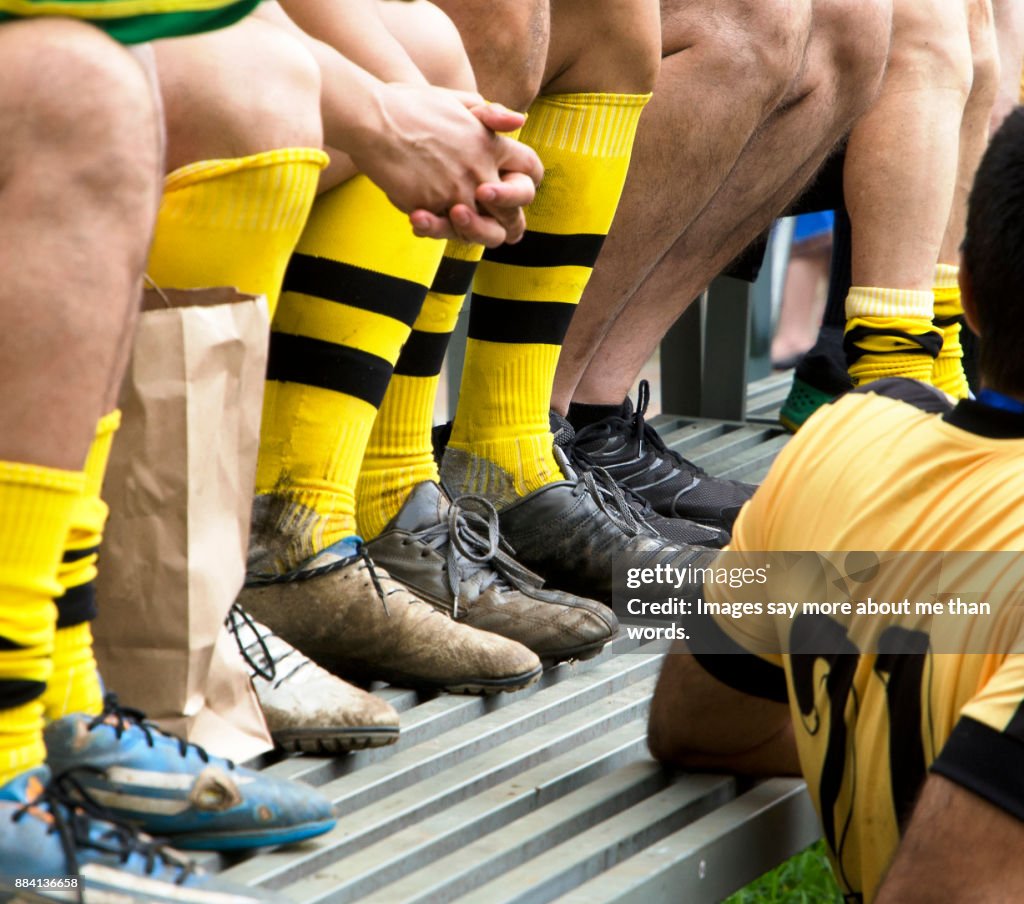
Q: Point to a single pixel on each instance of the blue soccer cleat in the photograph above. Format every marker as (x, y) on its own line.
(177, 790)
(57, 845)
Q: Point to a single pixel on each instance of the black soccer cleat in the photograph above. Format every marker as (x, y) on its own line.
(631, 450)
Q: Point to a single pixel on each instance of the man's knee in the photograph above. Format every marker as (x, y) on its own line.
(856, 37)
(243, 90)
(931, 46)
(432, 41)
(610, 46)
(753, 47)
(507, 43)
(79, 107)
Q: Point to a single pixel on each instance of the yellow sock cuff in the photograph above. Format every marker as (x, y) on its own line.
(37, 504)
(870, 301)
(603, 125)
(234, 222)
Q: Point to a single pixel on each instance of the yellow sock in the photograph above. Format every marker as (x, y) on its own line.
(400, 454)
(35, 512)
(75, 684)
(524, 295)
(889, 333)
(948, 373)
(352, 292)
(234, 222)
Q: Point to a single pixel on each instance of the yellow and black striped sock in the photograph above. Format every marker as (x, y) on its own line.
(948, 373)
(524, 295)
(75, 685)
(889, 333)
(234, 222)
(400, 454)
(35, 513)
(352, 292)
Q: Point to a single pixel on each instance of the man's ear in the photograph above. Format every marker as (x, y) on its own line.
(967, 297)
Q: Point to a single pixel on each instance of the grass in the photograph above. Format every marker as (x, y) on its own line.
(803, 879)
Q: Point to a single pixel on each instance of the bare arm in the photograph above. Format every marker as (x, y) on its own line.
(698, 722)
(433, 151)
(958, 848)
(356, 29)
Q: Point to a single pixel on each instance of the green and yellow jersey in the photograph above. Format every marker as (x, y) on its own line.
(875, 473)
(136, 21)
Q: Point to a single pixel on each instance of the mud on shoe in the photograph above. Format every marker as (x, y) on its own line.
(353, 618)
(450, 553)
(51, 827)
(308, 709)
(633, 453)
(174, 789)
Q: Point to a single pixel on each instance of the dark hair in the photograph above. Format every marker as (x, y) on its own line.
(994, 256)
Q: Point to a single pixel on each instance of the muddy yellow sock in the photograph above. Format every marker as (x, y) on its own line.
(75, 684)
(352, 292)
(35, 512)
(948, 372)
(234, 222)
(524, 295)
(889, 333)
(400, 454)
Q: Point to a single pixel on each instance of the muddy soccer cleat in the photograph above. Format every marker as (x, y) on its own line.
(351, 617)
(633, 453)
(59, 844)
(177, 790)
(306, 707)
(451, 555)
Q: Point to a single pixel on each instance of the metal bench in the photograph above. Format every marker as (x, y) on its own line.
(548, 794)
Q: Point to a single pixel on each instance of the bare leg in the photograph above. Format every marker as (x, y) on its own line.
(801, 301)
(901, 163)
(1009, 21)
(74, 230)
(974, 126)
(844, 61)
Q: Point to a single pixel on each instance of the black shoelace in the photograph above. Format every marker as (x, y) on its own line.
(646, 435)
(120, 718)
(470, 539)
(306, 574)
(72, 812)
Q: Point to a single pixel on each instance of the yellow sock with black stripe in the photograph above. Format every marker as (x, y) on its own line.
(400, 454)
(75, 685)
(524, 295)
(234, 222)
(889, 333)
(948, 372)
(35, 513)
(352, 292)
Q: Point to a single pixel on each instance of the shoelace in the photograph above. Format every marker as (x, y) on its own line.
(72, 811)
(306, 574)
(471, 541)
(257, 653)
(610, 498)
(125, 717)
(645, 434)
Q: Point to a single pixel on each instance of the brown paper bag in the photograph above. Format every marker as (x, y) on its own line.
(179, 487)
